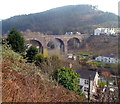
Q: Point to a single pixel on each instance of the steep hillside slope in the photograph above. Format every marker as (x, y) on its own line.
(101, 45)
(81, 18)
(24, 82)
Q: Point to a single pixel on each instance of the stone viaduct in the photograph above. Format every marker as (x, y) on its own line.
(45, 39)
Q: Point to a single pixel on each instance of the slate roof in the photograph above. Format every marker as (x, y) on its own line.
(86, 73)
(106, 55)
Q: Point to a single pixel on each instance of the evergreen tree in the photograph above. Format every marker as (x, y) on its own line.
(16, 40)
(31, 52)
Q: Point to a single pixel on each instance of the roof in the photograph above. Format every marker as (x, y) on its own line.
(107, 55)
(86, 73)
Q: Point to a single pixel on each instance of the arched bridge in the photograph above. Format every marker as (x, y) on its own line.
(43, 40)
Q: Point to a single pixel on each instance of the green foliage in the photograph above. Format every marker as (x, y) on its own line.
(101, 83)
(39, 58)
(68, 78)
(84, 59)
(16, 40)
(96, 63)
(31, 52)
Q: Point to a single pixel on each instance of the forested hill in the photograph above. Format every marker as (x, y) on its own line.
(81, 18)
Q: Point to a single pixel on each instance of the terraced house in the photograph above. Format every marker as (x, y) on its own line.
(84, 81)
(107, 58)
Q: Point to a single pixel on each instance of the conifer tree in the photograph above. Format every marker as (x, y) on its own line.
(16, 40)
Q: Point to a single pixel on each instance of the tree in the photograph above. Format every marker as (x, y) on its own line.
(68, 78)
(16, 40)
(31, 52)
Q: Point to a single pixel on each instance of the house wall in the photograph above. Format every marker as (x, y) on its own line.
(107, 31)
(97, 32)
(106, 59)
(93, 84)
(82, 83)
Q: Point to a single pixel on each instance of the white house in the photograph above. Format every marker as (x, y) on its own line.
(97, 31)
(84, 81)
(71, 56)
(107, 58)
(69, 33)
(107, 31)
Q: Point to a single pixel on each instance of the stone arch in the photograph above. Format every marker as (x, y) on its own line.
(38, 44)
(57, 44)
(73, 43)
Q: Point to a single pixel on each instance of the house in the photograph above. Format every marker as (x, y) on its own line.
(107, 58)
(107, 31)
(69, 33)
(71, 56)
(97, 31)
(84, 81)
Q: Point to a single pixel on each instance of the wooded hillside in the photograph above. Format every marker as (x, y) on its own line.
(81, 18)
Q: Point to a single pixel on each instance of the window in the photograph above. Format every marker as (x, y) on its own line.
(105, 59)
(86, 81)
(81, 87)
(85, 89)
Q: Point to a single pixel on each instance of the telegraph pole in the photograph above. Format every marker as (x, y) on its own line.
(89, 89)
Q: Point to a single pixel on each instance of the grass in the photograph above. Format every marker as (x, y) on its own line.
(83, 59)
(83, 53)
(97, 63)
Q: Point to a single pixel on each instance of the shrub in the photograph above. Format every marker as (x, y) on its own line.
(68, 78)
(39, 58)
(101, 83)
(31, 52)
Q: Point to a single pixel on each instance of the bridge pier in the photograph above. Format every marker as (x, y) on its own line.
(65, 47)
(45, 50)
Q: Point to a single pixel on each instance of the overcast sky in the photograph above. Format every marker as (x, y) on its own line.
(9, 8)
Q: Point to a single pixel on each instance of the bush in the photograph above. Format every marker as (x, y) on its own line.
(16, 40)
(68, 78)
(31, 52)
(39, 58)
(101, 83)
